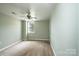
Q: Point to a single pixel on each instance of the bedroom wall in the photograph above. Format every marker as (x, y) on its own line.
(41, 31)
(63, 30)
(78, 29)
(10, 30)
(23, 30)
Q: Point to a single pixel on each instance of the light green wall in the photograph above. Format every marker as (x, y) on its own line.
(63, 28)
(10, 30)
(78, 28)
(41, 30)
(23, 30)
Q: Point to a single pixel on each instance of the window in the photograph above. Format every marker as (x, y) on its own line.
(30, 27)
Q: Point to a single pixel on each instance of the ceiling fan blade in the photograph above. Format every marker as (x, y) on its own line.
(29, 11)
(34, 17)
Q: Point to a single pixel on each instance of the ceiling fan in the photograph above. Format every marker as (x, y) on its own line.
(28, 15)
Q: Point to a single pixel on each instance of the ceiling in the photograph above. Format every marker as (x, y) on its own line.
(40, 10)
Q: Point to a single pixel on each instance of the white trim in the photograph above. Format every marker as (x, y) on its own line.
(9, 46)
(52, 48)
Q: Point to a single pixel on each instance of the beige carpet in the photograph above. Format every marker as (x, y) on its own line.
(29, 48)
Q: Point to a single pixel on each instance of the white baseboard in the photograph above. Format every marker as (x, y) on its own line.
(9, 45)
(53, 49)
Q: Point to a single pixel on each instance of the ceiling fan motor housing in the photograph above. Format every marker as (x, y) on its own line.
(29, 16)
